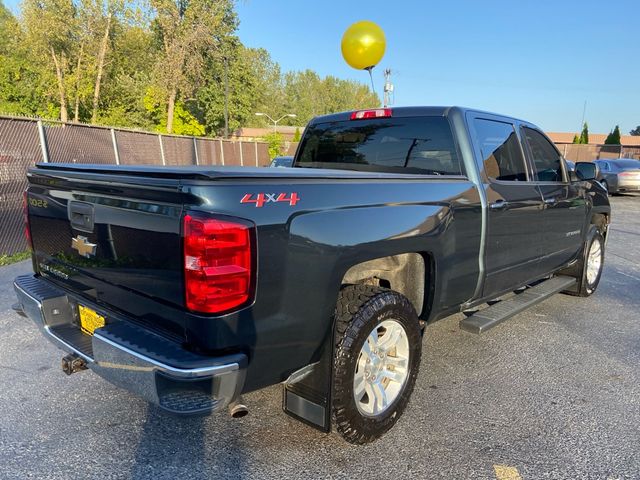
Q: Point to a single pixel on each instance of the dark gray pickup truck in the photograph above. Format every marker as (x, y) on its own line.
(191, 286)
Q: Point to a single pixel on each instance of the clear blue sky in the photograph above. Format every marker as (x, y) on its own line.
(537, 60)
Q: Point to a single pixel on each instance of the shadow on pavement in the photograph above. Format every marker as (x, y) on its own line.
(171, 446)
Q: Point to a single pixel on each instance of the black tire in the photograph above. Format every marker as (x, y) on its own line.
(585, 288)
(359, 310)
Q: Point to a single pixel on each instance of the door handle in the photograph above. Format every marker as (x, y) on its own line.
(499, 205)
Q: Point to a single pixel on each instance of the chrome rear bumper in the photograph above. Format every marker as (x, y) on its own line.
(133, 358)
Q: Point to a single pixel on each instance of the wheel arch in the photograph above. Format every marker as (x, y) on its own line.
(410, 274)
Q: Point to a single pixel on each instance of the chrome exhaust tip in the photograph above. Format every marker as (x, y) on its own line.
(237, 408)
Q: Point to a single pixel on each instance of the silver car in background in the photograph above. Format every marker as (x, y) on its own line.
(619, 175)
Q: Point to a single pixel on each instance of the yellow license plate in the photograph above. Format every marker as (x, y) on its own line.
(89, 320)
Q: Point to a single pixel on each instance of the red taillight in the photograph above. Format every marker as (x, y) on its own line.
(25, 215)
(377, 113)
(217, 263)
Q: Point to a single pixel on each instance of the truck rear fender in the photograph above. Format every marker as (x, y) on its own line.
(398, 248)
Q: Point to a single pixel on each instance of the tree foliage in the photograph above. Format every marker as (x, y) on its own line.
(164, 65)
(275, 142)
(584, 135)
(614, 137)
(635, 132)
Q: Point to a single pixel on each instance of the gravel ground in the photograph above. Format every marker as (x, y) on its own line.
(553, 392)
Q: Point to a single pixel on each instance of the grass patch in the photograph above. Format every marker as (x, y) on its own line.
(16, 257)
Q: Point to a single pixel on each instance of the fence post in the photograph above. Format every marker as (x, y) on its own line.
(255, 145)
(161, 150)
(195, 150)
(43, 142)
(241, 159)
(115, 146)
(221, 152)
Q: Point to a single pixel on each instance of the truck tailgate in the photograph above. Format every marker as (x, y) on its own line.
(108, 235)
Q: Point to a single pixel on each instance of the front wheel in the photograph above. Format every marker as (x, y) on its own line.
(591, 264)
(378, 347)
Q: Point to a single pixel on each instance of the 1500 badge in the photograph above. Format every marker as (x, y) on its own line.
(263, 198)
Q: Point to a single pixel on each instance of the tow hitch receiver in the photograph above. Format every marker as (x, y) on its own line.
(73, 363)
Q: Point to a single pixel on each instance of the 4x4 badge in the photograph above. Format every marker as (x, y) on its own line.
(83, 246)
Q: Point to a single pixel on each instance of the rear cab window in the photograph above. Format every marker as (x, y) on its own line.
(409, 145)
(500, 149)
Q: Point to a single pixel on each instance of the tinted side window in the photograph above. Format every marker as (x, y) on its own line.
(501, 152)
(546, 160)
(398, 145)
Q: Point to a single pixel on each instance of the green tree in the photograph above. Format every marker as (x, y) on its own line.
(584, 135)
(21, 86)
(269, 86)
(635, 132)
(187, 32)
(307, 95)
(105, 14)
(183, 122)
(128, 77)
(576, 139)
(275, 142)
(51, 28)
(231, 76)
(614, 137)
(296, 136)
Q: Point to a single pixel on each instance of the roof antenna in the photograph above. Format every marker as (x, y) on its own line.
(388, 87)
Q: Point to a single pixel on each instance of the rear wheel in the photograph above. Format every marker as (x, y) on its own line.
(378, 346)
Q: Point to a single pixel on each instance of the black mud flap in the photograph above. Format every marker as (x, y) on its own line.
(307, 392)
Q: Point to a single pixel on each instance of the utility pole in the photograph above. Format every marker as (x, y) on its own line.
(226, 97)
(388, 87)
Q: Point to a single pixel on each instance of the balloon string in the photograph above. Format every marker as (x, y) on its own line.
(369, 69)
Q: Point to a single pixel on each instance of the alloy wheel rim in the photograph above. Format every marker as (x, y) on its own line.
(382, 368)
(594, 261)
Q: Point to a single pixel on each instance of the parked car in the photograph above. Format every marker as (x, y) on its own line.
(284, 161)
(619, 175)
(571, 166)
(189, 286)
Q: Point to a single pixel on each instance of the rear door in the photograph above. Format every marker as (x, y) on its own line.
(565, 207)
(514, 205)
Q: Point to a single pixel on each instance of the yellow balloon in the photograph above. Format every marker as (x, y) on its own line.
(363, 45)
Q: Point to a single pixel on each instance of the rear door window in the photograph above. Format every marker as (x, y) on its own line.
(545, 158)
(501, 152)
(422, 145)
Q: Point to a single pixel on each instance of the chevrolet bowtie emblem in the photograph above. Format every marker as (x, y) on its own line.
(83, 246)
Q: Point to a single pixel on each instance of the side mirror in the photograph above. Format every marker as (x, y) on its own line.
(586, 170)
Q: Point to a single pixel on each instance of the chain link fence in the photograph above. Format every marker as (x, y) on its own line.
(25, 142)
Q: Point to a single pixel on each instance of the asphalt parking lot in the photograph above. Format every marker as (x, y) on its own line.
(552, 393)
